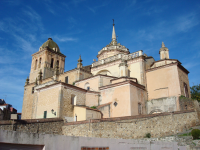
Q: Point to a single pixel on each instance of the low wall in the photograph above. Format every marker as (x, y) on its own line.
(47, 126)
(19, 140)
(158, 125)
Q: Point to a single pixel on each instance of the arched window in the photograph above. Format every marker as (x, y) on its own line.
(52, 62)
(35, 64)
(87, 86)
(73, 99)
(40, 63)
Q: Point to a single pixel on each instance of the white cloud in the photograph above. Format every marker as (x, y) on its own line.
(64, 39)
(190, 65)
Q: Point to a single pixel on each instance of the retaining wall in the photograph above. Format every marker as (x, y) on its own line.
(134, 127)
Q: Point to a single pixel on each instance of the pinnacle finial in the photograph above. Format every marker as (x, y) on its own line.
(113, 22)
(113, 33)
(80, 60)
(79, 65)
(163, 45)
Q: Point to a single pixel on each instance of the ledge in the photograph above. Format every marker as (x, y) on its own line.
(127, 117)
(28, 121)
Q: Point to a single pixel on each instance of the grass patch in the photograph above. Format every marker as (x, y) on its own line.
(186, 134)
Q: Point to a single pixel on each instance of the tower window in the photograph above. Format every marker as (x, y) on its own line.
(35, 64)
(66, 79)
(32, 90)
(52, 62)
(57, 62)
(40, 63)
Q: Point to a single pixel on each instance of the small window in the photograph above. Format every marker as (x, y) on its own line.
(75, 118)
(87, 85)
(40, 63)
(66, 79)
(58, 63)
(32, 90)
(73, 99)
(52, 62)
(35, 64)
(45, 114)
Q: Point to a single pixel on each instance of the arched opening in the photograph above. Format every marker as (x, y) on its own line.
(52, 62)
(40, 63)
(57, 63)
(87, 86)
(36, 64)
(73, 99)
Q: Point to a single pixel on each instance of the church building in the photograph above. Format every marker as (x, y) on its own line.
(118, 84)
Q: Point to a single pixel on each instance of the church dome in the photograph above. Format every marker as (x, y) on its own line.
(51, 45)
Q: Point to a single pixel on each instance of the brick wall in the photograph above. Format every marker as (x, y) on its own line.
(158, 125)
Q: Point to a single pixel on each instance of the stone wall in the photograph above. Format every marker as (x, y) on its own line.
(67, 108)
(158, 125)
(166, 104)
(47, 126)
(183, 77)
(28, 102)
(186, 103)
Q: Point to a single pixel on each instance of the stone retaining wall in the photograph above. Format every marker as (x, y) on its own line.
(158, 125)
(47, 126)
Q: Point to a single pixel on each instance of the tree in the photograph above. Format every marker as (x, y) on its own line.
(195, 92)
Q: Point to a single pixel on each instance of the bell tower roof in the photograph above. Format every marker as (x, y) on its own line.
(50, 44)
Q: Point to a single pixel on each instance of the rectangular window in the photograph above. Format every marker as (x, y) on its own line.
(66, 79)
(45, 114)
(32, 90)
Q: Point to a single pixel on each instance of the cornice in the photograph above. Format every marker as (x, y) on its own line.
(47, 49)
(123, 83)
(163, 66)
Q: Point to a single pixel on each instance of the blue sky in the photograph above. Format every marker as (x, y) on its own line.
(85, 27)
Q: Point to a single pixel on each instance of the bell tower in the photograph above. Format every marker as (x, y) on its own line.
(48, 60)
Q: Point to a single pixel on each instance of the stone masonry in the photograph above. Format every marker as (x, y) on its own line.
(134, 127)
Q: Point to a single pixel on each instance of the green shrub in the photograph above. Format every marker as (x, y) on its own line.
(195, 134)
(148, 135)
(93, 107)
